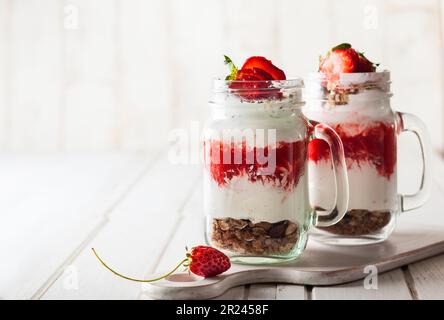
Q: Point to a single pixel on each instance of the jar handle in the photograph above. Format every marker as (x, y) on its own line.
(324, 132)
(407, 122)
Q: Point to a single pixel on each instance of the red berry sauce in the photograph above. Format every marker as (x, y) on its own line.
(376, 145)
(290, 163)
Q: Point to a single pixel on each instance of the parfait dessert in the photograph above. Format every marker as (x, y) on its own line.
(255, 175)
(353, 98)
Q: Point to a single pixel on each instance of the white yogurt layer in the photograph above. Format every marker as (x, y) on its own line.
(242, 199)
(258, 123)
(368, 190)
(357, 110)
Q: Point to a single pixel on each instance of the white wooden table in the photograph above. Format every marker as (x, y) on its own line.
(139, 212)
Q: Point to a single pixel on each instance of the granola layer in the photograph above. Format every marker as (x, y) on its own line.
(242, 236)
(360, 222)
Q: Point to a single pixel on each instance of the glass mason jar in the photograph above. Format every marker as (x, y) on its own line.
(357, 107)
(256, 197)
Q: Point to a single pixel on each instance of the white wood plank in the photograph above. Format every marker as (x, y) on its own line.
(428, 278)
(136, 233)
(437, 161)
(290, 292)
(361, 23)
(409, 176)
(440, 13)
(262, 291)
(144, 74)
(391, 285)
(196, 48)
(113, 193)
(36, 42)
(236, 293)
(409, 172)
(413, 39)
(190, 231)
(5, 63)
(89, 115)
(251, 28)
(299, 49)
(51, 204)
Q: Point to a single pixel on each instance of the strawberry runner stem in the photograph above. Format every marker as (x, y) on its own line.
(139, 280)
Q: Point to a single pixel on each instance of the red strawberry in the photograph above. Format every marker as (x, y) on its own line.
(248, 80)
(318, 149)
(265, 65)
(366, 65)
(202, 261)
(344, 59)
(341, 59)
(207, 261)
(253, 80)
(253, 74)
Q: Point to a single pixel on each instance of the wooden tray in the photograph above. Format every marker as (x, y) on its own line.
(319, 265)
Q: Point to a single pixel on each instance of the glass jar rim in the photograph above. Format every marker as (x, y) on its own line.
(338, 90)
(352, 78)
(222, 85)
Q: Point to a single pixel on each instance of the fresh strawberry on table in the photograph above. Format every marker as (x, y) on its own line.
(201, 260)
(254, 78)
(207, 262)
(344, 59)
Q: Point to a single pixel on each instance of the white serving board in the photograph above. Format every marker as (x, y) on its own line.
(319, 265)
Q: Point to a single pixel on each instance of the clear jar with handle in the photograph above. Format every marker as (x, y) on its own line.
(357, 106)
(256, 191)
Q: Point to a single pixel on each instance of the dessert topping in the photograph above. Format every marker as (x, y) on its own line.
(344, 59)
(253, 79)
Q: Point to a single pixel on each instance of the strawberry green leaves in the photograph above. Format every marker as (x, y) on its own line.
(342, 46)
(232, 67)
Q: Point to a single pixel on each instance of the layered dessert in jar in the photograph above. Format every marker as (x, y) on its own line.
(255, 180)
(349, 95)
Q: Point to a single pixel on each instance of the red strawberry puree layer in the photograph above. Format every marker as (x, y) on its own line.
(376, 145)
(290, 163)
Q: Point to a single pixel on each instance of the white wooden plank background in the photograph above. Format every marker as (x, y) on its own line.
(89, 111)
(391, 286)
(35, 76)
(137, 231)
(121, 80)
(51, 205)
(130, 71)
(139, 211)
(5, 56)
(144, 78)
(129, 209)
(428, 278)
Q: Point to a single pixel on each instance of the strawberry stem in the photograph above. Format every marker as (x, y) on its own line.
(233, 70)
(139, 280)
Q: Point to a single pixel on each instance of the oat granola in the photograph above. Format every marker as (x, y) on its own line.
(242, 236)
(360, 222)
